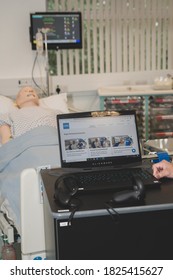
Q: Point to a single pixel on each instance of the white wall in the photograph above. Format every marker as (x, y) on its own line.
(16, 56)
(75, 83)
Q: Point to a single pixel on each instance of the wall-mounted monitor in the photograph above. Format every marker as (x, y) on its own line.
(64, 29)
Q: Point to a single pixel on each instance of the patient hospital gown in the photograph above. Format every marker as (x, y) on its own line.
(27, 118)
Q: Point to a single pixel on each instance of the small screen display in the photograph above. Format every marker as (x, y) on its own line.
(64, 30)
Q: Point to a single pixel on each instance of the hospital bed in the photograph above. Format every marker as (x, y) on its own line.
(21, 202)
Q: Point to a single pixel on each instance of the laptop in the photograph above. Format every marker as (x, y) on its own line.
(102, 144)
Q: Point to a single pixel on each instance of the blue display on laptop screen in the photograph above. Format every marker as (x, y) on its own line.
(98, 139)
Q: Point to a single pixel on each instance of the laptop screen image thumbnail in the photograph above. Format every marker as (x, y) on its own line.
(89, 139)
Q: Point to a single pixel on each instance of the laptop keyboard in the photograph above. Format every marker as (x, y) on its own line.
(115, 179)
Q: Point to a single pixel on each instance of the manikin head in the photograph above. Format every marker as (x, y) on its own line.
(26, 97)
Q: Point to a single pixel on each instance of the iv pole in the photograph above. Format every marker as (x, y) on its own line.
(45, 31)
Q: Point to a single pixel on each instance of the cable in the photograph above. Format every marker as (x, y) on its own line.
(36, 56)
(74, 208)
(113, 213)
(72, 215)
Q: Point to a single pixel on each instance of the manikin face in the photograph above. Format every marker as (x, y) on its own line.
(27, 96)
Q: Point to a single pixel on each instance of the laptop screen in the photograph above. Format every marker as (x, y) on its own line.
(98, 139)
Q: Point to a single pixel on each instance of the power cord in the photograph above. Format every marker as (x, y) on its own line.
(113, 213)
(73, 210)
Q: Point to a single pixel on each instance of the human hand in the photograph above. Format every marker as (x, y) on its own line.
(163, 169)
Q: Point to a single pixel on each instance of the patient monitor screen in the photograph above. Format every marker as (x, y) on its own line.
(64, 30)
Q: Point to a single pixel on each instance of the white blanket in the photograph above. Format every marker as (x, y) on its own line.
(38, 147)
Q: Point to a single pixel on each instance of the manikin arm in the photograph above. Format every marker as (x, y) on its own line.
(5, 133)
